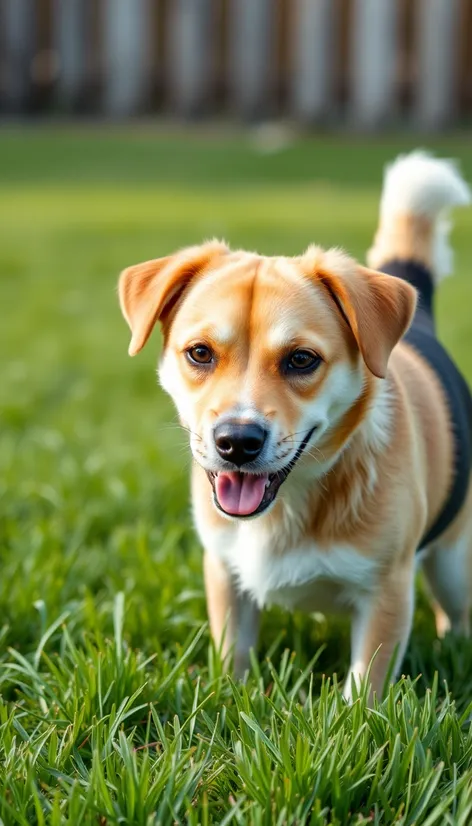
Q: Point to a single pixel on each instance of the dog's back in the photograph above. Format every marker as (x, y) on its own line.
(412, 243)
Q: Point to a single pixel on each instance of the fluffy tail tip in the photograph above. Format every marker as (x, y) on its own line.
(423, 185)
(418, 185)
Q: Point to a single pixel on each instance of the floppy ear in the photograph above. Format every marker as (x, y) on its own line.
(378, 308)
(148, 291)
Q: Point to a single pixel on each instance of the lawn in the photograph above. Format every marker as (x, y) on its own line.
(113, 706)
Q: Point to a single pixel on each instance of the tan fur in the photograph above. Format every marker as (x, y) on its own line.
(404, 236)
(148, 290)
(373, 481)
(378, 310)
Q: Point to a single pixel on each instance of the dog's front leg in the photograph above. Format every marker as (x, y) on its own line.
(381, 626)
(234, 616)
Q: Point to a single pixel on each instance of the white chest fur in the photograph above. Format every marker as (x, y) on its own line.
(305, 576)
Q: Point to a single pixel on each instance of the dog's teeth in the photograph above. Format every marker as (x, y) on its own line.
(267, 484)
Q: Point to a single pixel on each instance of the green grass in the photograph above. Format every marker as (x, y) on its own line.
(113, 705)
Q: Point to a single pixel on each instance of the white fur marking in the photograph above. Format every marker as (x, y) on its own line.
(377, 426)
(286, 331)
(224, 334)
(341, 389)
(271, 577)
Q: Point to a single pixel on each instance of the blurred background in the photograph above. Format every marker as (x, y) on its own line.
(358, 63)
(129, 128)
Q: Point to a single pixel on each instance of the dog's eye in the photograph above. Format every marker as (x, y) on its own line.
(302, 361)
(200, 354)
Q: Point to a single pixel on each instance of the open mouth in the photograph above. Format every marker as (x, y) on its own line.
(249, 494)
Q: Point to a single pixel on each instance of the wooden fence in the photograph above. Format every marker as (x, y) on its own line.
(363, 63)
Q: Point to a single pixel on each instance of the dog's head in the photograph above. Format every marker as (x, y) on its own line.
(267, 359)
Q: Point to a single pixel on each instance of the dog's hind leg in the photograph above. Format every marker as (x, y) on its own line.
(445, 569)
(447, 566)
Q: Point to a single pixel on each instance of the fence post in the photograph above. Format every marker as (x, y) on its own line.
(251, 56)
(70, 40)
(313, 50)
(374, 46)
(18, 24)
(437, 26)
(191, 55)
(126, 37)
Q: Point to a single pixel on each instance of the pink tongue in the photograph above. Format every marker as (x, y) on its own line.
(240, 493)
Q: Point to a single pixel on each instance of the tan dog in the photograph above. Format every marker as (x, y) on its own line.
(324, 445)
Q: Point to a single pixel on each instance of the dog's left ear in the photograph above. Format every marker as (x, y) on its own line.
(378, 308)
(148, 291)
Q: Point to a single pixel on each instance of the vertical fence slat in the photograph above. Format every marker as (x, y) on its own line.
(374, 44)
(437, 27)
(126, 30)
(191, 55)
(251, 56)
(18, 23)
(314, 54)
(251, 53)
(70, 40)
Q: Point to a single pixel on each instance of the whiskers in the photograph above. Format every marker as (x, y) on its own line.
(178, 426)
(291, 436)
(313, 450)
(192, 433)
(183, 448)
(315, 453)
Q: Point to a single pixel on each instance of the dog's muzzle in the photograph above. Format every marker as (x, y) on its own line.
(242, 494)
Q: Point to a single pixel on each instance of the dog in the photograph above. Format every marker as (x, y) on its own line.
(330, 430)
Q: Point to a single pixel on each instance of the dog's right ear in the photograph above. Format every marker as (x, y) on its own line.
(148, 291)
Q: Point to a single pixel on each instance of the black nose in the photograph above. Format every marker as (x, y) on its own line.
(239, 443)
